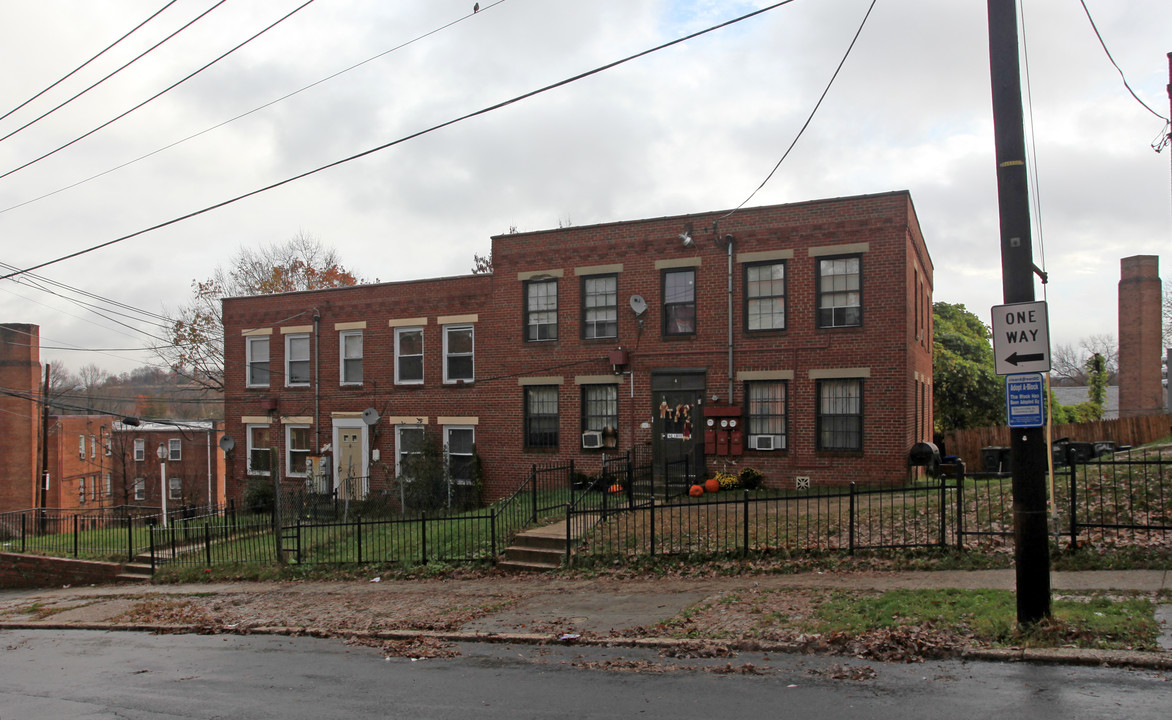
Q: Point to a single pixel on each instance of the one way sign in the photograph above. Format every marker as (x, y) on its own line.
(1021, 338)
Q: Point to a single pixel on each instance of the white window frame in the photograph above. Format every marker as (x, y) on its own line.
(249, 448)
(343, 379)
(174, 450)
(174, 488)
(81, 490)
(139, 449)
(448, 329)
(448, 451)
(93, 447)
(250, 360)
(399, 332)
(290, 450)
(109, 484)
(81, 447)
(107, 448)
(140, 488)
(289, 359)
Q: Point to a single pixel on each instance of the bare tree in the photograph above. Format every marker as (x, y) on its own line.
(1069, 364)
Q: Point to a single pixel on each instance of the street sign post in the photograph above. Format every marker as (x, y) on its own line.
(1021, 338)
(1025, 400)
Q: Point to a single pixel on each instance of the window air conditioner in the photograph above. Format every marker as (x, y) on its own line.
(762, 442)
(592, 439)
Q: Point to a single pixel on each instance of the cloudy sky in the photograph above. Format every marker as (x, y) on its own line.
(692, 128)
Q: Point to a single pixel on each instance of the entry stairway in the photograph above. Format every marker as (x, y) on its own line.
(543, 548)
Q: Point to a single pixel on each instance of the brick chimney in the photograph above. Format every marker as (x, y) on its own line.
(20, 415)
(1140, 342)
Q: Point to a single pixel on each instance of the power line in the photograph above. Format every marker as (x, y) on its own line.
(107, 77)
(806, 124)
(250, 112)
(84, 293)
(440, 126)
(1120, 70)
(158, 94)
(87, 62)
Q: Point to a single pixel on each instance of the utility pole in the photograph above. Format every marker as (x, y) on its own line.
(43, 480)
(1028, 445)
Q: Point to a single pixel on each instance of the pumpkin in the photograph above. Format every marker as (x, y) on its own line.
(696, 490)
(615, 489)
(711, 485)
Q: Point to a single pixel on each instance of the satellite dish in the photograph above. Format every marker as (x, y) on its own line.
(227, 443)
(638, 304)
(370, 416)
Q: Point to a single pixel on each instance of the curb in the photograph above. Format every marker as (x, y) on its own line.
(1143, 660)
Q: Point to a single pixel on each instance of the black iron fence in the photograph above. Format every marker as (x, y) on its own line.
(628, 509)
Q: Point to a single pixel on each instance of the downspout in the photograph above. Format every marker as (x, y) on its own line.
(728, 241)
(316, 381)
(210, 432)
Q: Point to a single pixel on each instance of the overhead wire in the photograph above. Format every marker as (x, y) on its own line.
(809, 118)
(107, 77)
(1032, 166)
(1117, 68)
(85, 293)
(75, 70)
(157, 95)
(327, 78)
(412, 136)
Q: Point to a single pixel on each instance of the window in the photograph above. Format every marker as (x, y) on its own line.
(458, 355)
(408, 356)
(766, 417)
(297, 450)
(81, 491)
(259, 446)
(765, 296)
(409, 440)
(600, 311)
(81, 446)
(139, 450)
(840, 292)
(106, 446)
(140, 488)
(541, 416)
(840, 415)
(541, 310)
(93, 447)
(458, 444)
(175, 488)
(600, 409)
(257, 351)
(297, 360)
(108, 485)
(679, 302)
(174, 450)
(351, 354)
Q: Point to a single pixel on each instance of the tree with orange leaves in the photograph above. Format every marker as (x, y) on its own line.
(197, 328)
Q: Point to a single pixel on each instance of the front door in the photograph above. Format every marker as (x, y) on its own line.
(349, 458)
(677, 426)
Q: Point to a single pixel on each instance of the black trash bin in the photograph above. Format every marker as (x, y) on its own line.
(1080, 452)
(995, 459)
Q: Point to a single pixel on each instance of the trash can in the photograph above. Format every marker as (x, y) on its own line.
(1080, 452)
(995, 459)
(1104, 447)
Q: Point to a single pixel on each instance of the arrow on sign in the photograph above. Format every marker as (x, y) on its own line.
(1014, 359)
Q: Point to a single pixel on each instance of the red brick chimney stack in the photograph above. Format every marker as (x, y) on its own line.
(1140, 342)
(20, 417)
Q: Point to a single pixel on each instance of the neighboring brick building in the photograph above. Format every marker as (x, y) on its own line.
(92, 461)
(592, 340)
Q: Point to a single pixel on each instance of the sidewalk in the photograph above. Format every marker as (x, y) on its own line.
(517, 608)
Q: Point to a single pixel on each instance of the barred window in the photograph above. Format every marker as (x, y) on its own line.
(840, 415)
(766, 418)
(541, 310)
(541, 416)
(765, 296)
(840, 292)
(600, 310)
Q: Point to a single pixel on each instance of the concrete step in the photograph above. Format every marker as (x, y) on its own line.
(541, 540)
(539, 556)
(512, 566)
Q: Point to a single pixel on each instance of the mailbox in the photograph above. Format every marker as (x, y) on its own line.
(723, 434)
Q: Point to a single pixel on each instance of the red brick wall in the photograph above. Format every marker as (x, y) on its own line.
(37, 571)
(1140, 339)
(20, 417)
(893, 347)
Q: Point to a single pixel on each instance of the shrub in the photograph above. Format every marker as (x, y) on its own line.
(751, 478)
(727, 481)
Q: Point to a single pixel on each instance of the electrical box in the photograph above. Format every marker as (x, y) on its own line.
(723, 434)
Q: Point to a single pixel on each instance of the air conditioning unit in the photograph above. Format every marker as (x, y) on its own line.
(592, 439)
(762, 442)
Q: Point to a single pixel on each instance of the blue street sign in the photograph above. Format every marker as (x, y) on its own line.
(1025, 400)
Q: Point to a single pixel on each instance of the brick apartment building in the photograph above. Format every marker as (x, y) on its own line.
(795, 339)
(74, 462)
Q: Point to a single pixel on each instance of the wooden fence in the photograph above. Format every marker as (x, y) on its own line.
(1124, 431)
